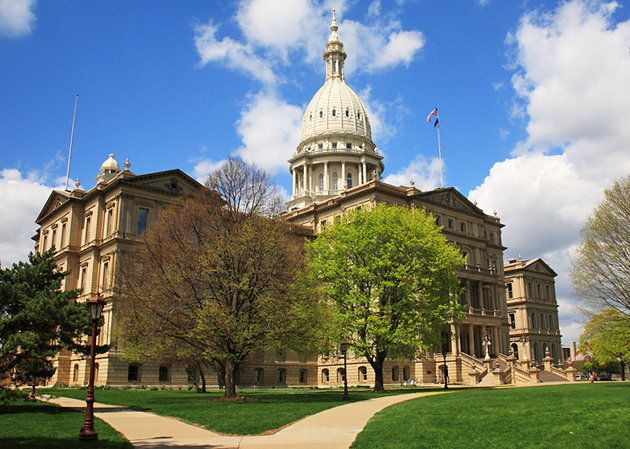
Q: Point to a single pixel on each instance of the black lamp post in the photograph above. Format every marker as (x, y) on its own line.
(344, 349)
(445, 372)
(96, 304)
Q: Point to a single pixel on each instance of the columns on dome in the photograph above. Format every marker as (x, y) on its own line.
(364, 173)
(344, 186)
(304, 181)
(294, 183)
(326, 183)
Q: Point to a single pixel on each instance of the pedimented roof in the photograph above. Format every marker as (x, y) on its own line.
(533, 265)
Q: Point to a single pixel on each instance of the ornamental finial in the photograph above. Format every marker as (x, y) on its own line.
(333, 23)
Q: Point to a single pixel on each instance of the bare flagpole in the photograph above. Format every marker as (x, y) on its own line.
(74, 116)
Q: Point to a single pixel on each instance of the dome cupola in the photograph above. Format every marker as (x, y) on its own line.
(109, 170)
(336, 151)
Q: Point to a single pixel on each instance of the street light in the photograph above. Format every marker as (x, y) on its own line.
(344, 345)
(445, 371)
(95, 304)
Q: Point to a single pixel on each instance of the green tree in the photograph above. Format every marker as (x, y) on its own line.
(601, 271)
(37, 319)
(607, 336)
(214, 279)
(391, 275)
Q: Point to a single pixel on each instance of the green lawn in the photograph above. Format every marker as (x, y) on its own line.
(44, 426)
(567, 416)
(267, 410)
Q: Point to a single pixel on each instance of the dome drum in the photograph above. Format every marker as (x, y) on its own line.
(336, 151)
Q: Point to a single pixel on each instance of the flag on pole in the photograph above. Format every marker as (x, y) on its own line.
(433, 113)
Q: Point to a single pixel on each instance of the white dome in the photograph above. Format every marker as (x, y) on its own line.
(110, 165)
(335, 109)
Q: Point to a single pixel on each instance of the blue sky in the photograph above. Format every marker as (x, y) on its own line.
(533, 96)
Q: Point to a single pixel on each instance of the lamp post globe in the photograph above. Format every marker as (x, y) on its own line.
(344, 345)
(96, 304)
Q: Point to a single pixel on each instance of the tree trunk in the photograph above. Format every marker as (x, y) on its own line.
(377, 366)
(623, 370)
(230, 385)
(203, 378)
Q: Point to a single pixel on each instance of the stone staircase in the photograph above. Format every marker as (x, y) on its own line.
(545, 376)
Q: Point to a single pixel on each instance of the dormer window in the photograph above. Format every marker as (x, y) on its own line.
(334, 145)
(320, 146)
(310, 117)
(347, 112)
(358, 115)
(334, 112)
(321, 114)
(348, 146)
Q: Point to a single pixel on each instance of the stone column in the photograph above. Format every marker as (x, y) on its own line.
(471, 340)
(480, 295)
(294, 182)
(304, 184)
(364, 173)
(326, 185)
(455, 348)
(343, 176)
(468, 299)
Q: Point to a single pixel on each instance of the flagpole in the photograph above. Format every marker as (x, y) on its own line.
(74, 116)
(440, 156)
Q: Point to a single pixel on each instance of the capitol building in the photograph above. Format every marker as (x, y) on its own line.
(336, 167)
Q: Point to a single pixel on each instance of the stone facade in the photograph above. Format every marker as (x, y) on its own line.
(532, 309)
(90, 230)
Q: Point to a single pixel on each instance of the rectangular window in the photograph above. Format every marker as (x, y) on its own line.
(163, 374)
(88, 220)
(63, 235)
(105, 283)
(132, 373)
(512, 321)
(53, 238)
(509, 290)
(143, 218)
(83, 279)
(45, 242)
(110, 220)
(348, 146)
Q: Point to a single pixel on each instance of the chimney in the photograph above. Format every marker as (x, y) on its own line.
(573, 350)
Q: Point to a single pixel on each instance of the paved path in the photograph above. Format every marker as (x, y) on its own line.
(335, 428)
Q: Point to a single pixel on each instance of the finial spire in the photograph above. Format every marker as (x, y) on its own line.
(333, 23)
(334, 54)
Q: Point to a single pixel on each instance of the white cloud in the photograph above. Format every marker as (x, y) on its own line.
(204, 167)
(16, 17)
(378, 45)
(571, 81)
(383, 115)
(425, 173)
(21, 201)
(400, 48)
(269, 129)
(504, 133)
(233, 54)
(484, 2)
(274, 29)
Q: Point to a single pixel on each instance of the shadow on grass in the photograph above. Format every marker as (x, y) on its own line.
(58, 443)
(14, 408)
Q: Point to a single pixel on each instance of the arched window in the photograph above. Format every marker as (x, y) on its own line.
(542, 321)
(349, 180)
(321, 182)
(75, 373)
(260, 376)
(335, 181)
(282, 375)
(303, 376)
(554, 352)
(321, 114)
(358, 115)
(334, 112)
(347, 112)
(536, 351)
(340, 375)
(325, 376)
(515, 350)
(163, 373)
(363, 374)
(438, 220)
(462, 226)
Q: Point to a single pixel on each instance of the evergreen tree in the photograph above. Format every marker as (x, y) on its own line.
(37, 319)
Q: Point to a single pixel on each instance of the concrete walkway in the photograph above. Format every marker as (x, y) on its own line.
(335, 428)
